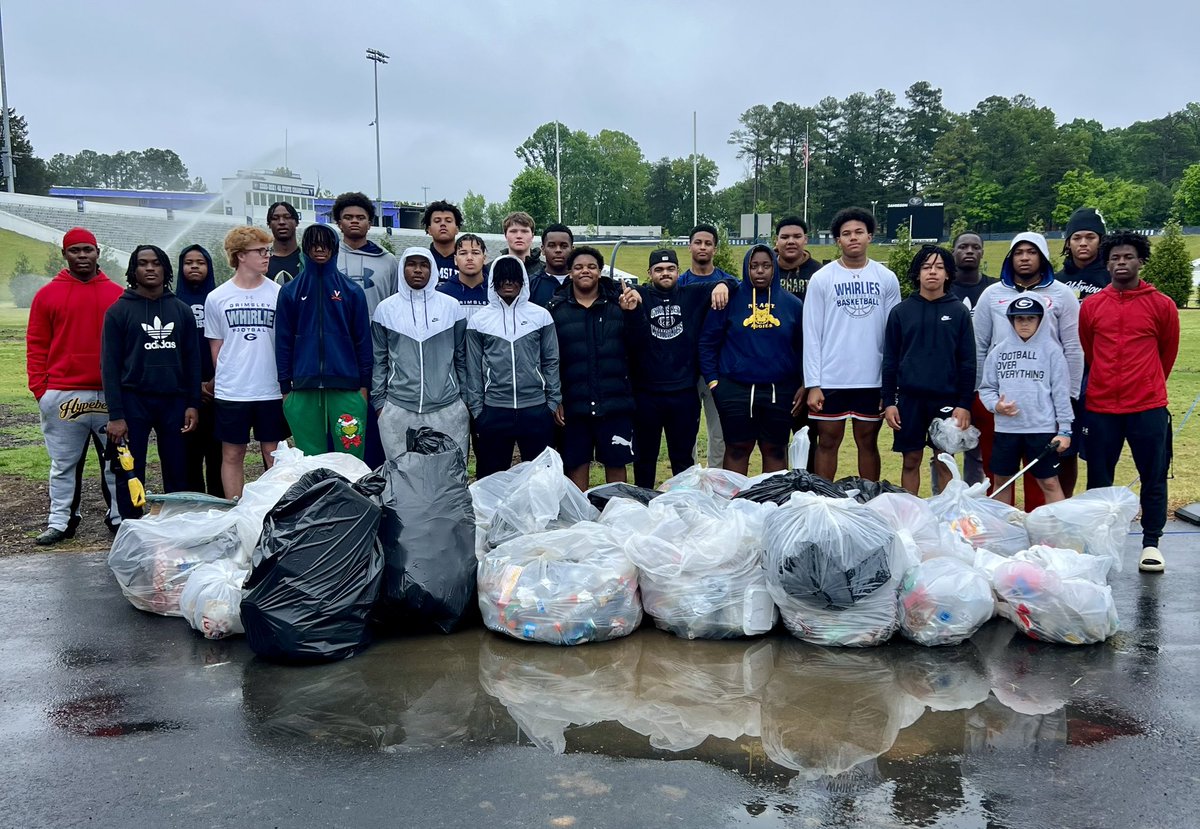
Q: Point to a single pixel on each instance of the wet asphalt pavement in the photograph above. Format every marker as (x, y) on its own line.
(114, 717)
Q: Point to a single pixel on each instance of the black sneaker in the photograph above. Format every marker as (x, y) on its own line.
(52, 535)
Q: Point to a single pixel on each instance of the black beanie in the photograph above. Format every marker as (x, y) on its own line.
(1085, 218)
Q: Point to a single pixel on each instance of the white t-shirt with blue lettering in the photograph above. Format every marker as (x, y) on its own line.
(845, 313)
(245, 322)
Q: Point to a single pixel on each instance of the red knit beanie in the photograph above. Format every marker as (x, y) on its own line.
(79, 236)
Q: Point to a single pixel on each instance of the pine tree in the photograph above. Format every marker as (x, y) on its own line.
(724, 258)
(1169, 268)
(901, 257)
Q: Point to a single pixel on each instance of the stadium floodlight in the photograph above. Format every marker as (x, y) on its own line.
(377, 57)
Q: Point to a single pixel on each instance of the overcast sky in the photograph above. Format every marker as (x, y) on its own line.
(219, 82)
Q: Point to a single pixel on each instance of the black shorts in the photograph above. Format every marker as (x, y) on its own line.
(761, 413)
(846, 404)
(916, 413)
(1012, 451)
(235, 419)
(607, 438)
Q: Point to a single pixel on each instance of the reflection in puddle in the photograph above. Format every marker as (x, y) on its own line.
(831, 731)
(102, 715)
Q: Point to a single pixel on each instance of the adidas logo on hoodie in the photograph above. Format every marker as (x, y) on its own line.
(158, 334)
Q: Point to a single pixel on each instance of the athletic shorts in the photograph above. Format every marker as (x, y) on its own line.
(1012, 451)
(761, 413)
(916, 413)
(236, 418)
(607, 438)
(846, 404)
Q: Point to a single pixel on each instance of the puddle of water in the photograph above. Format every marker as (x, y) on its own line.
(102, 715)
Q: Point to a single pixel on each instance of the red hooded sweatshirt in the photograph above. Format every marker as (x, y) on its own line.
(62, 342)
(1130, 339)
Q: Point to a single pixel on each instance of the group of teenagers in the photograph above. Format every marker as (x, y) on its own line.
(335, 342)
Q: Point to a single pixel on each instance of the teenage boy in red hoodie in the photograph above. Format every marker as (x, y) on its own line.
(1130, 337)
(62, 358)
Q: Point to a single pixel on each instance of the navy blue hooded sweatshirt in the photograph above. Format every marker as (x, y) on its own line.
(194, 295)
(322, 331)
(758, 336)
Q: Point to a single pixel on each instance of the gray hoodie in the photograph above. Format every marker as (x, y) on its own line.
(512, 354)
(372, 268)
(1033, 373)
(1060, 302)
(419, 339)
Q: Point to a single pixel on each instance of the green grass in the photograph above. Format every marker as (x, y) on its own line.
(12, 246)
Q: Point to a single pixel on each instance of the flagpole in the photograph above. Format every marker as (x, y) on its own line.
(558, 171)
(695, 212)
(806, 174)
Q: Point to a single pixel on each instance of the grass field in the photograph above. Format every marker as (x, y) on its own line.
(22, 452)
(12, 247)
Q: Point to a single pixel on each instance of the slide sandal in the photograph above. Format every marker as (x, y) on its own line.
(1151, 561)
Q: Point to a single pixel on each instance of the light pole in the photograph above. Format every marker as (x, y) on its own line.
(377, 57)
(873, 203)
(6, 159)
(425, 192)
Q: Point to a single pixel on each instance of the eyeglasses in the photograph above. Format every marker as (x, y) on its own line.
(259, 251)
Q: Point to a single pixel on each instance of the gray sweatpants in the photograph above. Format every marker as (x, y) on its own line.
(71, 422)
(712, 423)
(453, 420)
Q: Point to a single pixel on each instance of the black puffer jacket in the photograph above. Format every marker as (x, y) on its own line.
(594, 345)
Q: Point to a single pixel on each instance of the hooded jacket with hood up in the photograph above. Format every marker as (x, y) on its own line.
(512, 353)
(150, 348)
(62, 341)
(195, 295)
(1032, 373)
(1061, 316)
(929, 350)
(373, 269)
(758, 337)
(322, 331)
(419, 342)
(1130, 339)
(595, 343)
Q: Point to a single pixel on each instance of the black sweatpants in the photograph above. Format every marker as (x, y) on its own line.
(164, 415)
(1149, 436)
(675, 412)
(497, 430)
(203, 452)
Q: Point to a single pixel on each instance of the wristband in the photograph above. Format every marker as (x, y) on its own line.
(713, 384)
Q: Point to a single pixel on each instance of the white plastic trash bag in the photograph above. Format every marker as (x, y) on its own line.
(943, 601)
(700, 565)
(1095, 522)
(1045, 605)
(532, 497)
(982, 521)
(211, 600)
(564, 587)
(832, 568)
(945, 436)
(720, 482)
(798, 450)
(913, 521)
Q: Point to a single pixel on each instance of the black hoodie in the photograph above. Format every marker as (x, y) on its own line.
(195, 297)
(149, 347)
(1092, 278)
(929, 350)
(671, 321)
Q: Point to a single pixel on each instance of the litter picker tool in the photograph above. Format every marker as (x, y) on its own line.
(1050, 447)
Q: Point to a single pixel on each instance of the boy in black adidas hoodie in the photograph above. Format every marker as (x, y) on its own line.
(150, 365)
(928, 361)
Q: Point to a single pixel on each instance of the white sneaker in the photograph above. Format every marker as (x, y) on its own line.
(1151, 561)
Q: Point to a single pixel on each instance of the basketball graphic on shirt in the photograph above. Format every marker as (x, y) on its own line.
(858, 298)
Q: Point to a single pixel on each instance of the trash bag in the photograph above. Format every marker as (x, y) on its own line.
(317, 571)
(948, 679)
(943, 601)
(1094, 522)
(601, 495)
(721, 482)
(152, 558)
(914, 523)
(798, 449)
(211, 600)
(1045, 604)
(564, 587)
(778, 488)
(945, 436)
(427, 532)
(699, 560)
(532, 497)
(865, 490)
(832, 569)
(982, 521)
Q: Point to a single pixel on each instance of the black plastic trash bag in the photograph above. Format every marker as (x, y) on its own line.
(601, 495)
(777, 489)
(428, 537)
(317, 571)
(866, 489)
